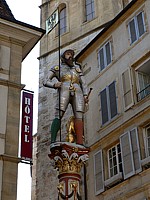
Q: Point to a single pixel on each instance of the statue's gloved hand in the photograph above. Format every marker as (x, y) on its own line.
(86, 99)
(57, 85)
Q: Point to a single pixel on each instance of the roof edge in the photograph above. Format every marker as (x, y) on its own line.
(23, 24)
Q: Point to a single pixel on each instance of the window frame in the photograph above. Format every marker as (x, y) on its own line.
(64, 18)
(117, 160)
(108, 103)
(137, 34)
(147, 153)
(139, 86)
(92, 4)
(103, 47)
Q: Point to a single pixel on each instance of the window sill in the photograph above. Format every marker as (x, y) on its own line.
(146, 162)
(110, 123)
(114, 180)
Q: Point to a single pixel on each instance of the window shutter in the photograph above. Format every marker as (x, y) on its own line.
(136, 150)
(108, 53)
(101, 59)
(112, 100)
(132, 31)
(104, 106)
(127, 156)
(140, 22)
(127, 89)
(98, 172)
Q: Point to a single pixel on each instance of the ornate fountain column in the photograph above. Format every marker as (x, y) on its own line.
(68, 160)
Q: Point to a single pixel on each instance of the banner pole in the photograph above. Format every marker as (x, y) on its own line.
(59, 69)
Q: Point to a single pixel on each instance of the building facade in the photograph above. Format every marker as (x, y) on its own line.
(116, 65)
(16, 41)
(80, 23)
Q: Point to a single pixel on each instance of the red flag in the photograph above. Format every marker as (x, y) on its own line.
(27, 125)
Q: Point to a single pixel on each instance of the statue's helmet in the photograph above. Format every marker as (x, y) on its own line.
(67, 51)
(69, 61)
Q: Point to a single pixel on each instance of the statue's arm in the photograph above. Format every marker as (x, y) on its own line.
(83, 85)
(48, 81)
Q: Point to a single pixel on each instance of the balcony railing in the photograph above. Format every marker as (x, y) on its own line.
(143, 93)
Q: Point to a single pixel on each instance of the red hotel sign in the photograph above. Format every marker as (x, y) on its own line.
(27, 123)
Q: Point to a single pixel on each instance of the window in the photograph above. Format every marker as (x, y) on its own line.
(147, 141)
(89, 9)
(108, 103)
(63, 23)
(146, 160)
(98, 172)
(136, 27)
(105, 55)
(143, 80)
(114, 160)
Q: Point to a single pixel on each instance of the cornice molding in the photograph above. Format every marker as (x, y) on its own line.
(10, 158)
(11, 84)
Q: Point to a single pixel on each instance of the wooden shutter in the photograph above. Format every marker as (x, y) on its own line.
(132, 31)
(135, 150)
(98, 173)
(127, 89)
(112, 100)
(140, 22)
(108, 53)
(101, 59)
(104, 106)
(127, 156)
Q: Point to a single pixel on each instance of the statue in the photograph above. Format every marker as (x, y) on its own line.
(72, 89)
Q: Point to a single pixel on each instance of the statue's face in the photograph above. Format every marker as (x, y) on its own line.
(68, 59)
(68, 56)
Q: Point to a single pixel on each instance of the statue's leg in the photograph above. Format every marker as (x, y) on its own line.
(55, 127)
(62, 105)
(78, 110)
(79, 127)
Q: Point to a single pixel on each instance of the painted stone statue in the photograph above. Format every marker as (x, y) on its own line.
(72, 89)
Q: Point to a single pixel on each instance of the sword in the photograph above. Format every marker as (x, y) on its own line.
(86, 105)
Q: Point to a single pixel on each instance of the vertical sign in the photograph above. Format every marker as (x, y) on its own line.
(26, 127)
(52, 21)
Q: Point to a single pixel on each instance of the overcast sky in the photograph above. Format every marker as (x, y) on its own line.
(28, 11)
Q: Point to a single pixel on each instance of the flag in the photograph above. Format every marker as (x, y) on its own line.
(52, 21)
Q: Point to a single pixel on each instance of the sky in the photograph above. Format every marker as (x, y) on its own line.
(28, 11)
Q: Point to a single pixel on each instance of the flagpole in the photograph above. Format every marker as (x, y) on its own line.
(59, 68)
(51, 22)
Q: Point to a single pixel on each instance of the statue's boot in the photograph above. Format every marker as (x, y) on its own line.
(54, 129)
(78, 126)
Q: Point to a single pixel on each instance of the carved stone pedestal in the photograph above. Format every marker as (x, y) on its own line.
(68, 160)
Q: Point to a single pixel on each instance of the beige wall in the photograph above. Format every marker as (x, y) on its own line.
(125, 56)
